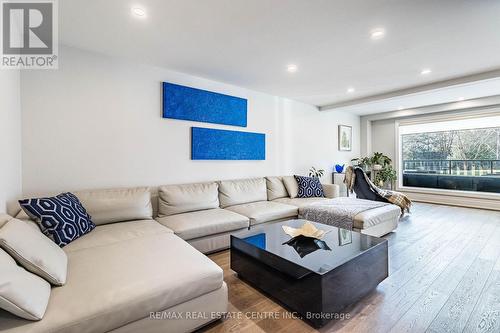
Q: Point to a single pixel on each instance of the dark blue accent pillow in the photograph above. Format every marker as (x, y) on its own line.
(62, 218)
(309, 187)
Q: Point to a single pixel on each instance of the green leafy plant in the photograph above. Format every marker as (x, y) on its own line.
(316, 173)
(377, 159)
(362, 162)
(381, 159)
(387, 174)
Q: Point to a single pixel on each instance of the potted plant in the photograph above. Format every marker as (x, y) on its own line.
(379, 161)
(386, 174)
(362, 162)
(316, 173)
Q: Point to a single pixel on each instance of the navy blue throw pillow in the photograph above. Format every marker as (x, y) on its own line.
(309, 187)
(62, 218)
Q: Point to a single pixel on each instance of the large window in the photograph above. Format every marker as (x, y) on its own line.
(462, 155)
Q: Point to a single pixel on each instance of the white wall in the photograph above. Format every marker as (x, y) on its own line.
(313, 139)
(96, 122)
(10, 139)
(383, 137)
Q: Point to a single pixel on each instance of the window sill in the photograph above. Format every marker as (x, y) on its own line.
(450, 193)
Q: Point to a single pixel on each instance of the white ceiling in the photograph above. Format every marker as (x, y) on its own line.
(249, 43)
(458, 94)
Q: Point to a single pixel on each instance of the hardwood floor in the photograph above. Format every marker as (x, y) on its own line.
(444, 276)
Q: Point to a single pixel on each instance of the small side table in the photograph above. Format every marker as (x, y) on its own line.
(338, 178)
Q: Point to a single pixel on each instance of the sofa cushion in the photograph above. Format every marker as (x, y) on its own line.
(291, 185)
(299, 202)
(108, 234)
(309, 187)
(117, 205)
(34, 251)
(376, 216)
(4, 218)
(264, 211)
(113, 285)
(204, 222)
(240, 191)
(21, 215)
(275, 188)
(331, 190)
(177, 199)
(62, 218)
(21, 293)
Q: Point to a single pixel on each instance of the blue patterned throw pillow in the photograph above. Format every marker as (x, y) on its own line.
(309, 187)
(62, 218)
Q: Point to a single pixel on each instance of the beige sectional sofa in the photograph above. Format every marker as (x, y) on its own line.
(128, 267)
(132, 265)
(207, 214)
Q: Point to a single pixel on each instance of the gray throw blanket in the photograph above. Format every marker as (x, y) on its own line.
(338, 212)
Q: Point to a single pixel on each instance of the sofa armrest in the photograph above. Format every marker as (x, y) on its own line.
(331, 190)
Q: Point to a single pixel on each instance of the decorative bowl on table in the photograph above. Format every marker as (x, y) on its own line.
(308, 229)
(306, 239)
(306, 245)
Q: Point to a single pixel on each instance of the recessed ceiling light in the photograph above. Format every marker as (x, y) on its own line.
(377, 33)
(350, 90)
(138, 11)
(292, 68)
(426, 71)
(461, 98)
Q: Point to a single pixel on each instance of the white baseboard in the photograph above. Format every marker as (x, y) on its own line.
(492, 204)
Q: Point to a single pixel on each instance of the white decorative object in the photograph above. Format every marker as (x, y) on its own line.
(308, 230)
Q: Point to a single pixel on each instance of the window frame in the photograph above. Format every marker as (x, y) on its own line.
(436, 118)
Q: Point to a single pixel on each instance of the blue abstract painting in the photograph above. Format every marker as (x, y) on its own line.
(186, 103)
(215, 144)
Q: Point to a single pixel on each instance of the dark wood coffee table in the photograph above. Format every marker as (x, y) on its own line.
(307, 278)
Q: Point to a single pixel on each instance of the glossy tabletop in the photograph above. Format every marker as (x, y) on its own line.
(335, 248)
